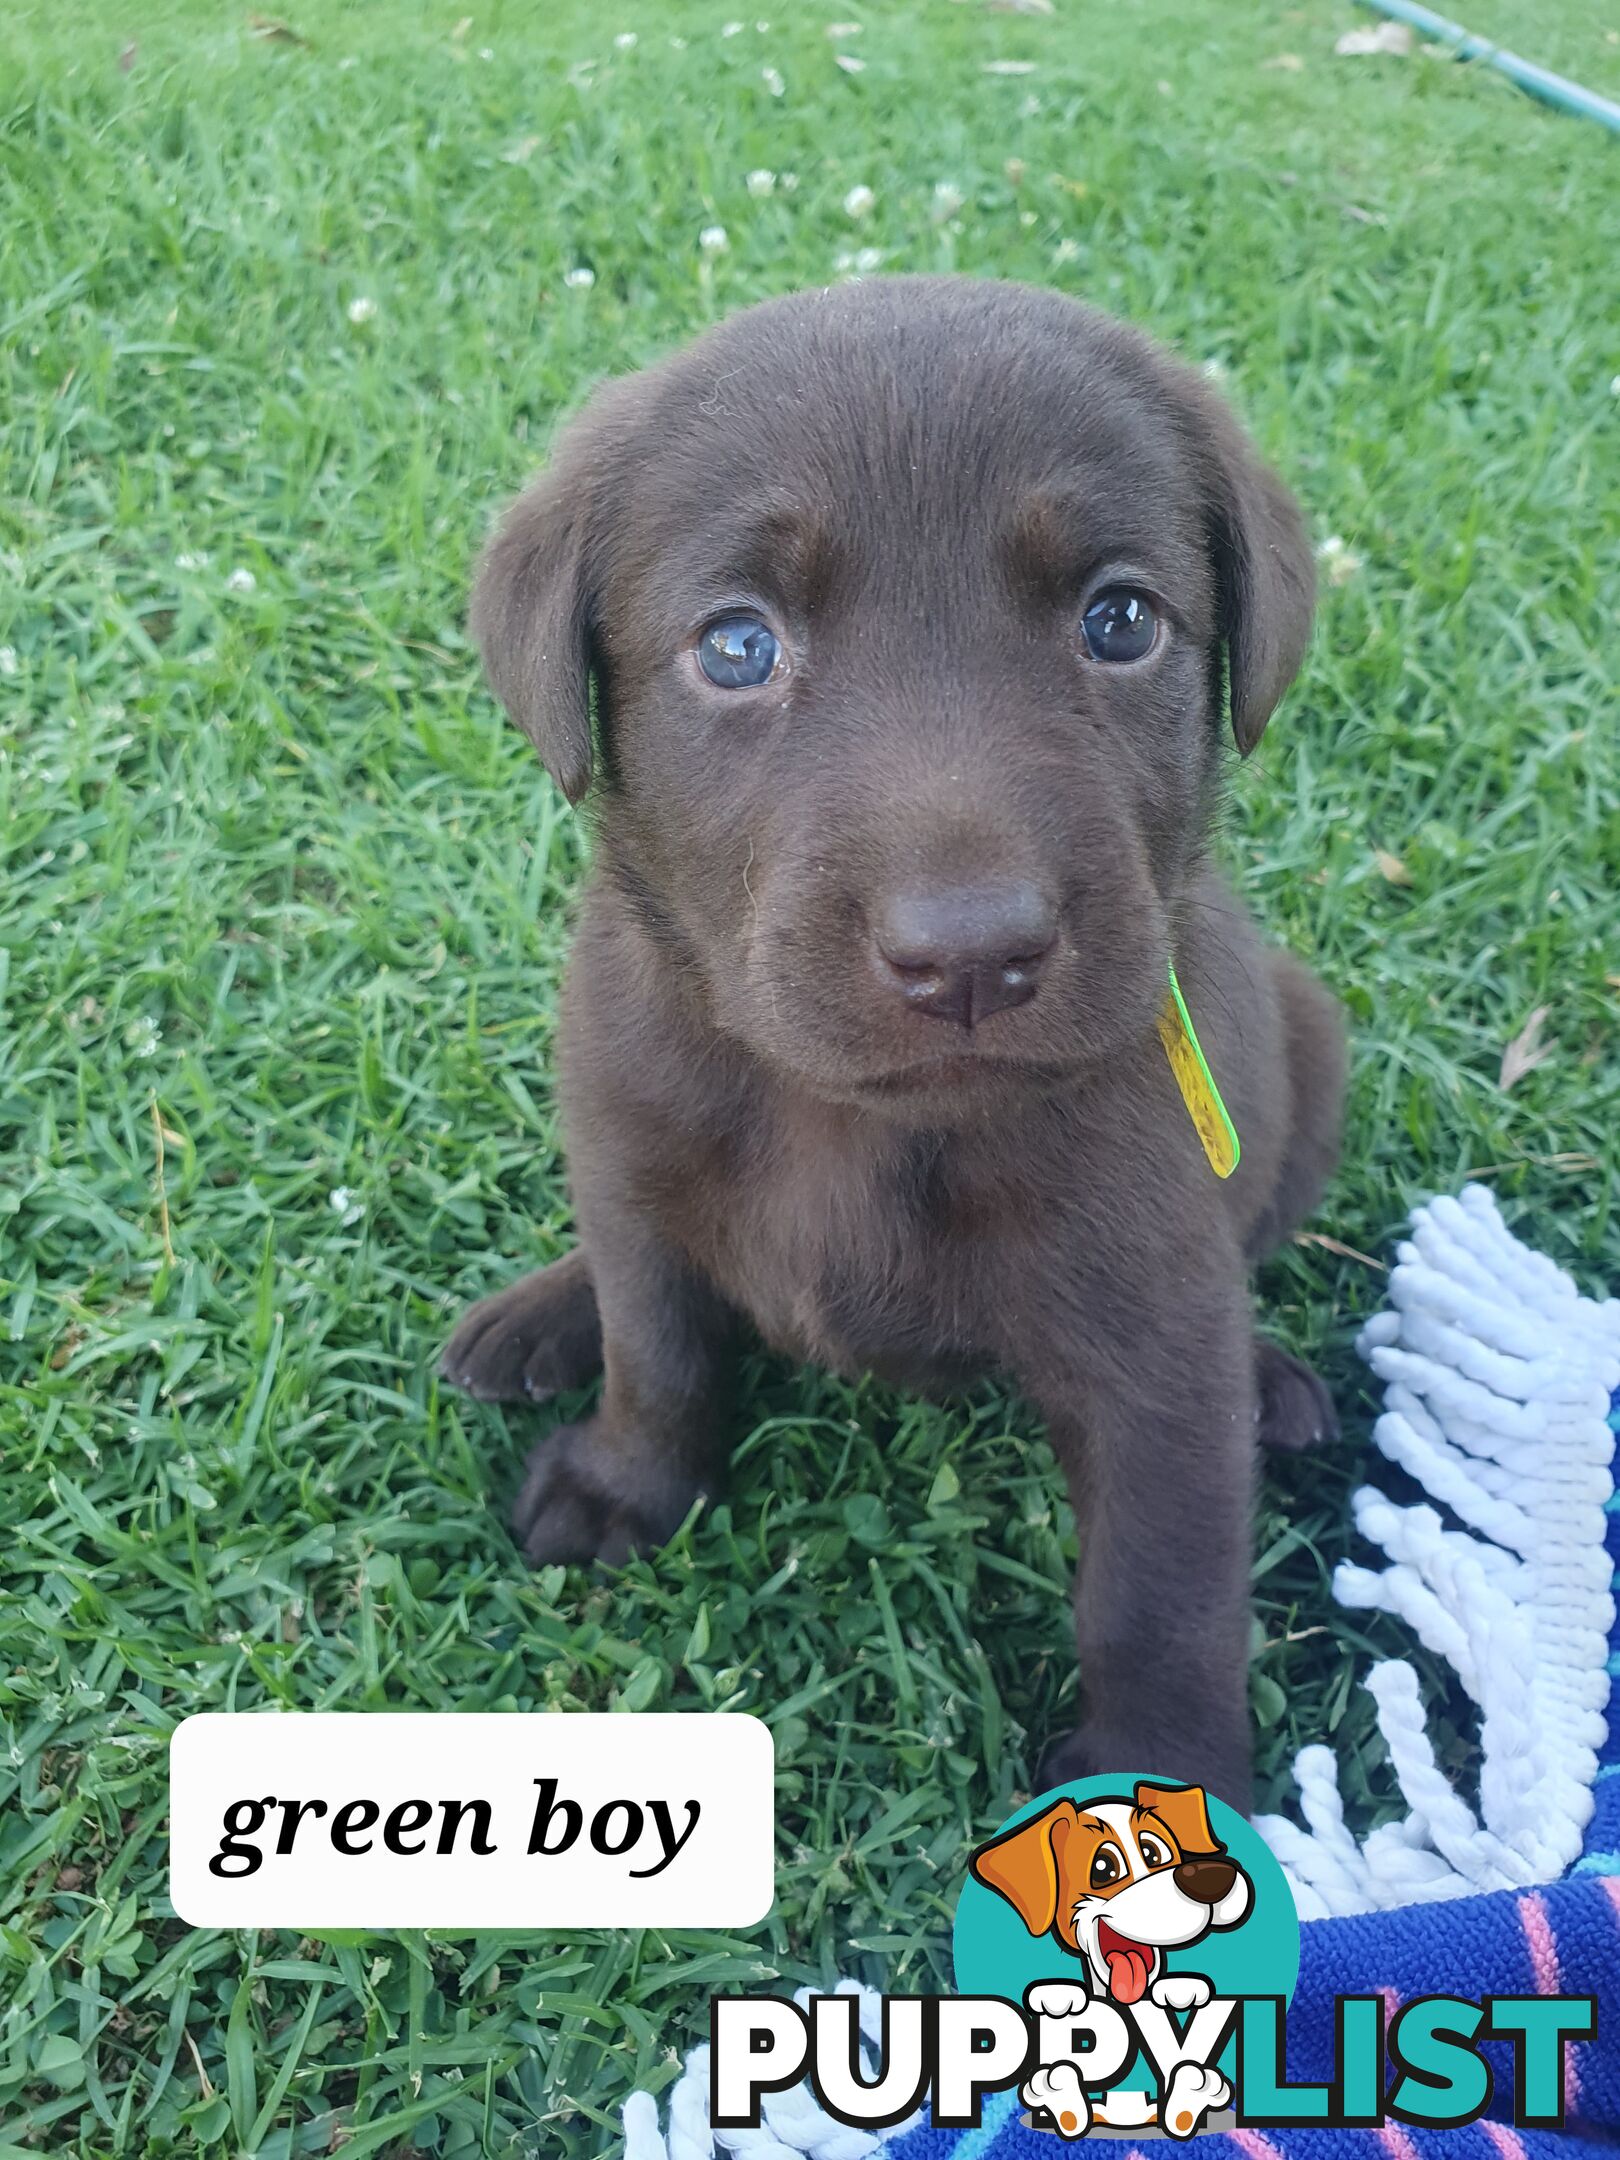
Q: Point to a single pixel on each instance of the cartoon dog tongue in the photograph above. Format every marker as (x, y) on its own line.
(1130, 1964)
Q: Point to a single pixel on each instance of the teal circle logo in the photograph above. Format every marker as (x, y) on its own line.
(1118, 1886)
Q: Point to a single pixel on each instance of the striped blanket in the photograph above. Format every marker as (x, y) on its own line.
(1502, 1398)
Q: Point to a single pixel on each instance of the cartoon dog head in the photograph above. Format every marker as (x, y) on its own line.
(1119, 1881)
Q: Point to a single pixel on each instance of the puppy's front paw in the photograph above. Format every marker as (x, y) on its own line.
(592, 1494)
(1065, 1759)
(538, 1337)
(1193, 2092)
(1216, 1760)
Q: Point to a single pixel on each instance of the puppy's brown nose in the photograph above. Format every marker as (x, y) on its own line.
(964, 952)
(1207, 1879)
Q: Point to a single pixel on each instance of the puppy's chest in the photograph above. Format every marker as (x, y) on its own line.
(864, 1257)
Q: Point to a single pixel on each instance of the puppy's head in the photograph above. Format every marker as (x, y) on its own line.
(1120, 1881)
(915, 611)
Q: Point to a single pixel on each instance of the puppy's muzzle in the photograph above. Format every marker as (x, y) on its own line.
(962, 953)
(1207, 1880)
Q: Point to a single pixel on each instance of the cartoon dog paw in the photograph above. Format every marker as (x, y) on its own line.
(1191, 2094)
(1057, 1999)
(1061, 2093)
(1181, 1991)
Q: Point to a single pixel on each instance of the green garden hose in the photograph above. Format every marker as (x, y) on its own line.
(1537, 82)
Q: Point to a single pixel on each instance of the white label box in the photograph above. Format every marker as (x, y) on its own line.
(476, 1819)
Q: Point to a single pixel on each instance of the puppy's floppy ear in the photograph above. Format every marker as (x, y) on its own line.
(530, 616)
(1265, 574)
(1184, 1811)
(1026, 1865)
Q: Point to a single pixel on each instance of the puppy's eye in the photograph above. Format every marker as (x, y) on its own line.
(1153, 1852)
(1106, 1867)
(1120, 625)
(738, 652)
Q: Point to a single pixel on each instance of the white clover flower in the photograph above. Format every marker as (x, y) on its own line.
(790, 181)
(772, 79)
(859, 202)
(347, 1206)
(867, 259)
(9, 663)
(627, 41)
(580, 279)
(362, 309)
(761, 183)
(142, 1037)
(712, 240)
(948, 199)
(241, 581)
(1338, 562)
(187, 561)
(731, 29)
(1215, 369)
(849, 63)
(1066, 251)
(1614, 386)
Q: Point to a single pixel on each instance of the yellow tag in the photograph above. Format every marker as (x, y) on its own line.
(1197, 1082)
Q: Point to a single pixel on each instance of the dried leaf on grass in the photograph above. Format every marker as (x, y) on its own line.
(1526, 1051)
(1345, 1252)
(274, 32)
(1391, 868)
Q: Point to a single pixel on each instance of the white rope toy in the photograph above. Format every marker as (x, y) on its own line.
(793, 2124)
(1498, 1378)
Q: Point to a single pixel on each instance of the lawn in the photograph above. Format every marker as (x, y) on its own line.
(283, 904)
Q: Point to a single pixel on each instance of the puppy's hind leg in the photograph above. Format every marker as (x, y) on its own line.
(1292, 1407)
(540, 1336)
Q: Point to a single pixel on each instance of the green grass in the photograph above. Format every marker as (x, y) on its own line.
(277, 881)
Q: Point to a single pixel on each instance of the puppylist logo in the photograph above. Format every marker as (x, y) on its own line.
(1127, 1925)
(1125, 1953)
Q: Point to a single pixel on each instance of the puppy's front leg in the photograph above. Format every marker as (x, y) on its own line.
(623, 1480)
(1149, 1400)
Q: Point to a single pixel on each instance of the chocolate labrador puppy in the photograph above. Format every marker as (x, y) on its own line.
(915, 611)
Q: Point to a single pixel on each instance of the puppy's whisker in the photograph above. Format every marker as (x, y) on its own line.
(748, 889)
